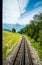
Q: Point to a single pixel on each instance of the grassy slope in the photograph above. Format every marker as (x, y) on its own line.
(36, 46)
(9, 39)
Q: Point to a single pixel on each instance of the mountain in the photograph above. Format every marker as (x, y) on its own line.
(10, 26)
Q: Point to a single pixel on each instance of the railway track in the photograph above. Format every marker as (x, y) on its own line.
(23, 56)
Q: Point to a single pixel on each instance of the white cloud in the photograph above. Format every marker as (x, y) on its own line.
(11, 11)
(29, 16)
(22, 4)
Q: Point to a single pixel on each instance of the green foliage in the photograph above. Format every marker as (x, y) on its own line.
(35, 36)
(40, 37)
(34, 29)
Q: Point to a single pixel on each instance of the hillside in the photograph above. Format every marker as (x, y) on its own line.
(9, 39)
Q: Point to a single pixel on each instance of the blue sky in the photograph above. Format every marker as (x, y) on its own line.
(12, 10)
(32, 4)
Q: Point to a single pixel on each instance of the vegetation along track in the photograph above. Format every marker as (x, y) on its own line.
(22, 56)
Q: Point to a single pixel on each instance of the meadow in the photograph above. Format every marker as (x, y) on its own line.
(9, 39)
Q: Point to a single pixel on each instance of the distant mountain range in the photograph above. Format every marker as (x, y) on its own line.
(10, 26)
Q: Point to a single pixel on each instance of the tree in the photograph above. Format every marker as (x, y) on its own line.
(13, 30)
(40, 37)
(37, 17)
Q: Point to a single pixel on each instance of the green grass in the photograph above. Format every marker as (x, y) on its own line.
(9, 39)
(36, 45)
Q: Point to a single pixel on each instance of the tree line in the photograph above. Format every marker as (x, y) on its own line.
(34, 29)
